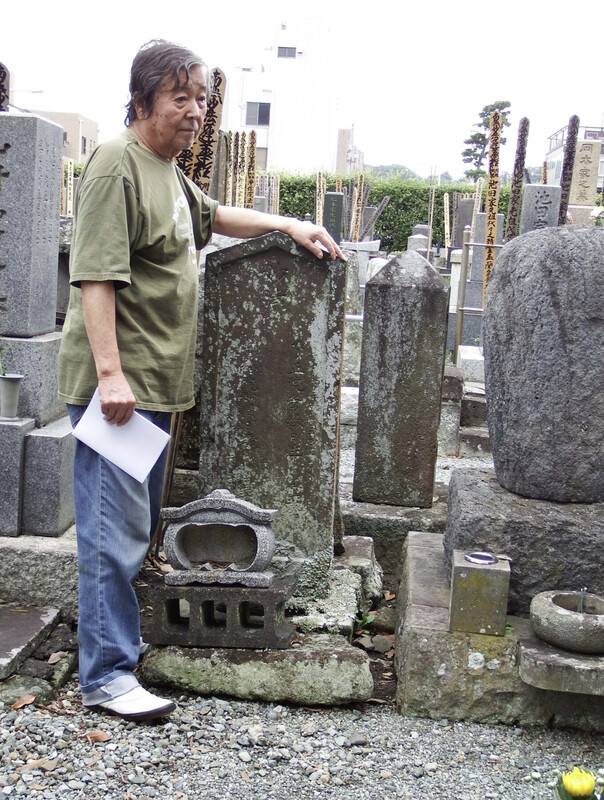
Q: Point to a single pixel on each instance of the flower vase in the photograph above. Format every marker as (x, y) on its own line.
(9, 395)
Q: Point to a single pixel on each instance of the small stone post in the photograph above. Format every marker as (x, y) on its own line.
(402, 363)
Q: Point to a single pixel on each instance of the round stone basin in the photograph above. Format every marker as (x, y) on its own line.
(241, 547)
(555, 619)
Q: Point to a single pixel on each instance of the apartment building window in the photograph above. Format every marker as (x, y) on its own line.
(286, 52)
(83, 145)
(258, 114)
(261, 158)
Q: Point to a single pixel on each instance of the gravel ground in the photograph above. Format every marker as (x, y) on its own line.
(213, 748)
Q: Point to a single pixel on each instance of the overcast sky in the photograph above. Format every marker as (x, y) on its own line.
(415, 75)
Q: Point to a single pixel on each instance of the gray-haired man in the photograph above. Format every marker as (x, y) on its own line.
(130, 330)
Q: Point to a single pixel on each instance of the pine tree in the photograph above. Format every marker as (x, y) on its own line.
(479, 142)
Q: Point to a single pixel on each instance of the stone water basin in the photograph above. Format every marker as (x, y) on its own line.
(555, 619)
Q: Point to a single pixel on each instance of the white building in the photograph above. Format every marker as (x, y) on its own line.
(290, 98)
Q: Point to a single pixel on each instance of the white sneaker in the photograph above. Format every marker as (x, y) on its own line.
(138, 704)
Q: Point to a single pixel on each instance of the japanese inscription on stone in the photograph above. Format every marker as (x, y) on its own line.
(492, 199)
(585, 174)
(540, 207)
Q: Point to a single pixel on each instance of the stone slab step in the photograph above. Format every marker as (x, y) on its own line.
(318, 669)
(473, 410)
(548, 667)
(22, 629)
(474, 442)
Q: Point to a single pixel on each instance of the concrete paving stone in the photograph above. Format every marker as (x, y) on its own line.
(22, 628)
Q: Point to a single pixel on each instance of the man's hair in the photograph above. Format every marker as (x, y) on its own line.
(154, 62)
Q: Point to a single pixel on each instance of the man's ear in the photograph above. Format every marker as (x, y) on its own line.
(139, 107)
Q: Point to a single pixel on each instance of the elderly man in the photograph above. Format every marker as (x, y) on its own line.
(130, 330)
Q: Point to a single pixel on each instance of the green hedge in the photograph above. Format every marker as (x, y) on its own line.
(409, 204)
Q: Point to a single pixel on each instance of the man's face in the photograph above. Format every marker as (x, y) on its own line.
(177, 114)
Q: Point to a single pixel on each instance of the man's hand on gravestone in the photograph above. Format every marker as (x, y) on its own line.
(309, 235)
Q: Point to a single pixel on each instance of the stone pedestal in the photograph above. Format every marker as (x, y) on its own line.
(479, 596)
(550, 545)
(36, 359)
(450, 675)
(12, 447)
(48, 480)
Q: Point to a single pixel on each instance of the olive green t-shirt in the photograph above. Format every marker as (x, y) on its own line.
(138, 223)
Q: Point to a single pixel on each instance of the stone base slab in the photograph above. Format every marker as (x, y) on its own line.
(550, 545)
(41, 571)
(36, 359)
(48, 480)
(552, 668)
(318, 669)
(22, 628)
(469, 676)
(388, 526)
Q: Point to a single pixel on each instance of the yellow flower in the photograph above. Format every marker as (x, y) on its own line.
(579, 782)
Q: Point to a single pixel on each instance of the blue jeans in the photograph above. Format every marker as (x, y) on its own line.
(115, 517)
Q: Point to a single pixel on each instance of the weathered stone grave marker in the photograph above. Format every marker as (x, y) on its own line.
(540, 207)
(402, 365)
(272, 345)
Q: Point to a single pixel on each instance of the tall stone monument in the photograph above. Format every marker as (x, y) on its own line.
(543, 333)
(272, 349)
(36, 445)
(402, 363)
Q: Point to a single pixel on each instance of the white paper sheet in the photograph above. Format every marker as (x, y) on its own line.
(133, 447)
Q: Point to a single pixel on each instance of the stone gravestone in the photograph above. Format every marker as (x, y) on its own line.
(402, 365)
(584, 184)
(272, 349)
(332, 214)
(543, 336)
(544, 332)
(463, 217)
(540, 207)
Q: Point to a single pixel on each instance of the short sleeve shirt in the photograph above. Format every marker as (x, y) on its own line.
(138, 223)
